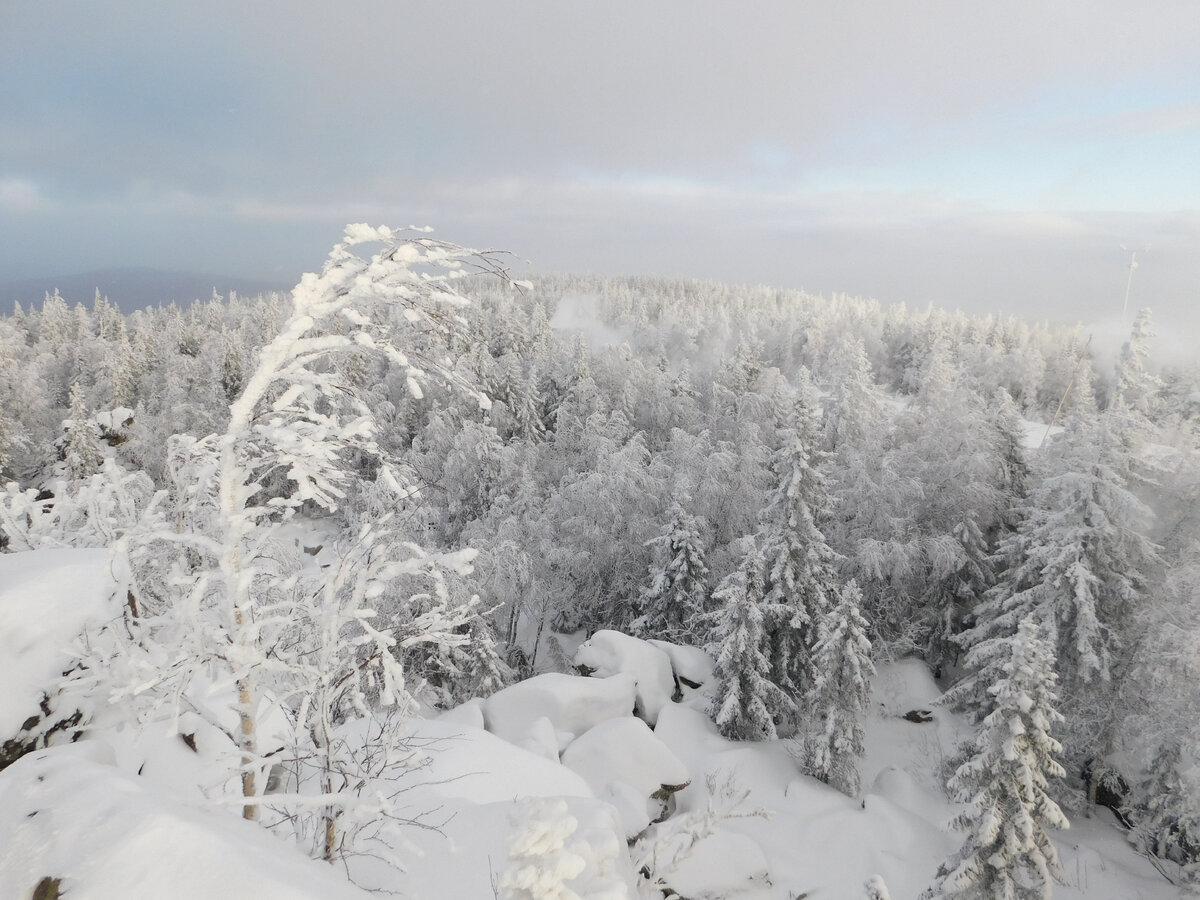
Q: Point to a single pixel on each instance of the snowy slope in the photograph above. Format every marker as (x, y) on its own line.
(823, 845)
(68, 813)
(748, 824)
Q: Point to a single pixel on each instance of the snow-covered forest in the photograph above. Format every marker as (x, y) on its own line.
(385, 565)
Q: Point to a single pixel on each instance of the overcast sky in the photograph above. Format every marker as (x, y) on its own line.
(986, 156)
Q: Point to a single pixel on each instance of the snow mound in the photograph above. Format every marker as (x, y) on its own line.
(47, 599)
(470, 764)
(609, 653)
(902, 790)
(469, 713)
(625, 763)
(571, 704)
(65, 814)
(905, 685)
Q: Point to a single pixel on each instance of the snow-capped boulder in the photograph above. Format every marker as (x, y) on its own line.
(471, 765)
(469, 713)
(623, 762)
(608, 653)
(693, 667)
(570, 703)
(47, 599)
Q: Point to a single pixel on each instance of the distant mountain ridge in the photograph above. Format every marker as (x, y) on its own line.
(131, 288)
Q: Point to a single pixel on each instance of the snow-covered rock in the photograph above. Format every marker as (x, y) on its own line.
(470, 764)
(623, 762)
(609, 653)
(65, 813)
(689, 663)
(47, 598)
(544, 740)
(571, 704)
(469, 713)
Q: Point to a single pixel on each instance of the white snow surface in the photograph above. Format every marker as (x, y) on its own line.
(82, 813)
(1037, 433)
(108, 835)
(47, 597)
(624, 763)
(610, 653)
(570, 703)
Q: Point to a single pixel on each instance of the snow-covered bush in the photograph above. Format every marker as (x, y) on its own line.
(692, 851)
(553, 858)
(91, 511)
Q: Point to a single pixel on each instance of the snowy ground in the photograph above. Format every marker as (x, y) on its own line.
(83, 814)
(1037, 433)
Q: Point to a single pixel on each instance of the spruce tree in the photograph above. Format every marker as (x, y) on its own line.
(841, 692)
(676, 597)
(80, 452)
(1169, 822)
(1008, 853)
(801, 583)
(1135, 388)
(746, 704)
(1078, 562)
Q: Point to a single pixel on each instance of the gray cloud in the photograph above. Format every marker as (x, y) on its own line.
(976, 155)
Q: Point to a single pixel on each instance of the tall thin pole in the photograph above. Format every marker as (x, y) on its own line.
(1133, 264)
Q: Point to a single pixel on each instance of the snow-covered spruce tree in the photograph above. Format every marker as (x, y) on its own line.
(746, 704)
(1168, 823)
(1160, 722)
(13, 439)
(676, 598)
(79, 449)
(853, 410)
(945, 444)
(840, 693)
(1008, 853)
(1135, 388)
(1080, 563)
(229, 614)
(801, 583)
